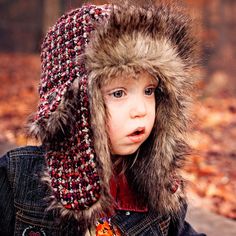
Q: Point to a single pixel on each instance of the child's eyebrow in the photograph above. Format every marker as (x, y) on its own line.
(110, 87)
(122, 81)
(115, 82)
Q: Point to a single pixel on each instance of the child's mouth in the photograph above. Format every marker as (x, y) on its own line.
(137, 135)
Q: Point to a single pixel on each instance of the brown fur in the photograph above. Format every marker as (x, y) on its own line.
(158, 40)
(160, 43)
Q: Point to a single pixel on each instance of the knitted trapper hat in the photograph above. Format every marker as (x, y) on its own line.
(72, 165)
(86, 47)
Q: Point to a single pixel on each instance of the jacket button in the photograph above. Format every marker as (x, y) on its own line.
(127, 213)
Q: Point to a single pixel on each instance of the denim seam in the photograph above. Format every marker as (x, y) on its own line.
(25, 208)
(26, 154)
(14, 171)
(156, 224)
(139, 227)
(11, 171)
(34, 221)
(20, 151)
(164, 225)
(147, 222)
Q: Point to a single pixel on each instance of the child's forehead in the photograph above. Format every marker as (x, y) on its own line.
(126, 77)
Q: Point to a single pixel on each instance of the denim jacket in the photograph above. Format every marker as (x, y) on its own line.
(23, 203)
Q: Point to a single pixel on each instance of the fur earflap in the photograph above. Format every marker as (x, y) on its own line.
(58, 125)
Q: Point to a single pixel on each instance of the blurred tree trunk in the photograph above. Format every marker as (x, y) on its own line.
(219, 20)
(218, 36)
(53, 9)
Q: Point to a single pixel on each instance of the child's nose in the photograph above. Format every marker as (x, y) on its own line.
(138, 109)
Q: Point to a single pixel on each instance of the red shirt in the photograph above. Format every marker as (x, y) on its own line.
(124, 196)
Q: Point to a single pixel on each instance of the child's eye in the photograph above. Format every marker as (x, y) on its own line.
(149, 91)
(118, 93)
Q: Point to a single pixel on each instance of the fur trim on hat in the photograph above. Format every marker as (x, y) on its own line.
(153, 38)
(156, 40)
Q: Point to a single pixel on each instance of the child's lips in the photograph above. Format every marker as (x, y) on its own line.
(137, 135)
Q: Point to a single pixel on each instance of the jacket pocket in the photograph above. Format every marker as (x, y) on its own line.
(35, 223)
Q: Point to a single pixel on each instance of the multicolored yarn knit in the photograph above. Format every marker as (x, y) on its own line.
(72, 166)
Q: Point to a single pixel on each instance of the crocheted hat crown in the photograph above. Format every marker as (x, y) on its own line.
(62, 55)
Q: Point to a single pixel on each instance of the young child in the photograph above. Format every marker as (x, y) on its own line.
(112, 117)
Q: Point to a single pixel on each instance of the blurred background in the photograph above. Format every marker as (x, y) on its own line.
(210, 171)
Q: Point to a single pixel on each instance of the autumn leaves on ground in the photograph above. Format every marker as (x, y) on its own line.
(210, 171)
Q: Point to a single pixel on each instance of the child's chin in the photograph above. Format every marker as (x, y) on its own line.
(125, 151)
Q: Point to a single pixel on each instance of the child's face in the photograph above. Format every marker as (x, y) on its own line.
(131, 106)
